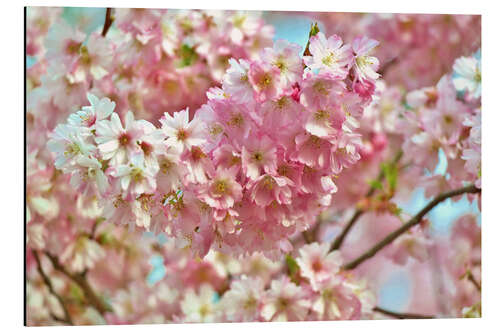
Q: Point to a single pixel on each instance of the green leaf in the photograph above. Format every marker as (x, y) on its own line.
(390, 174)
(376, 184)
(314, 29)
(292, 265)
(188, 55)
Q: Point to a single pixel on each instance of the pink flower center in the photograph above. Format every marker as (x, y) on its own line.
(317, 266)
(124, 139)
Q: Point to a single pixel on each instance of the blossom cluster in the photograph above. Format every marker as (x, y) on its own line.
(409, 38)
(447, 117)
(254, 165)
(317, 290)
(150, 61)
(224, 203)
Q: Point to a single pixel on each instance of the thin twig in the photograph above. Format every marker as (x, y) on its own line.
(312, 32)
(108, 21)
(472, 279)
(309, 235)
(401, 315)
(94, 300)
(48, 283)
(412, 222)
(357, 214)
(388, 65)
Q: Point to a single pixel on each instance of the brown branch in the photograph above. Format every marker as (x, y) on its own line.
(472, 279)
(108, 21)
(48, 283)
(94, 300)
(309, 235)
(412, 222)
(388, 65)
(401, 315)
(312, 32)
(357, 214)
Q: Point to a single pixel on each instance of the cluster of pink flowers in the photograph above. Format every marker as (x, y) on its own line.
(320, 291)
(222, 203)
(150, 61)
(409, 38)
(444, 118)
(254, 165)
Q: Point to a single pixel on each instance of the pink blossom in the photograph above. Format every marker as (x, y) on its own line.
(258, 155)
(317, 264)
(222, 191)
(182, 133)
(286, 301)
(116, 142)
(265, 80)
(329, 55)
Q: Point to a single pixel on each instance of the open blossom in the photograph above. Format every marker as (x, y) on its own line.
(135, 178)
(95, 56)
(329, 55)
(258, 155)
(222, 191)
(317, 264)
(467, 74)
(285, 56)
(267, 189)
(199, 307)
(336, 301)
(68, 143)
(365, 66)
(286, 301)
(236, 83)
(182, 133)
(265, 80)
(170, 172)
(63, 43)
(244, 299)
(325, 122)
(88, 171)
(116, 142)
(243, 24)
(99, 109)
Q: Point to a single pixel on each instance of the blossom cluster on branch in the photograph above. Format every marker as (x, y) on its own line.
(230, 177)
(255, 164)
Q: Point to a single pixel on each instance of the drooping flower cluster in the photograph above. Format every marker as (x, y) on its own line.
(255, 165)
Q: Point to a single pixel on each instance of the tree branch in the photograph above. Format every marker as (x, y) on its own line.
(48, 283)
(94, 300)
(357, 214)
(412, 222)
(401, 315)
(108, 21)
(312, 32)
(472, 279)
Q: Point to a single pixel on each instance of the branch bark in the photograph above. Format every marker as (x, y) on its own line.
(401, 315)
(94, 300)
(48, 283)
(412, 222)
(473, 280)
(108, 21)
